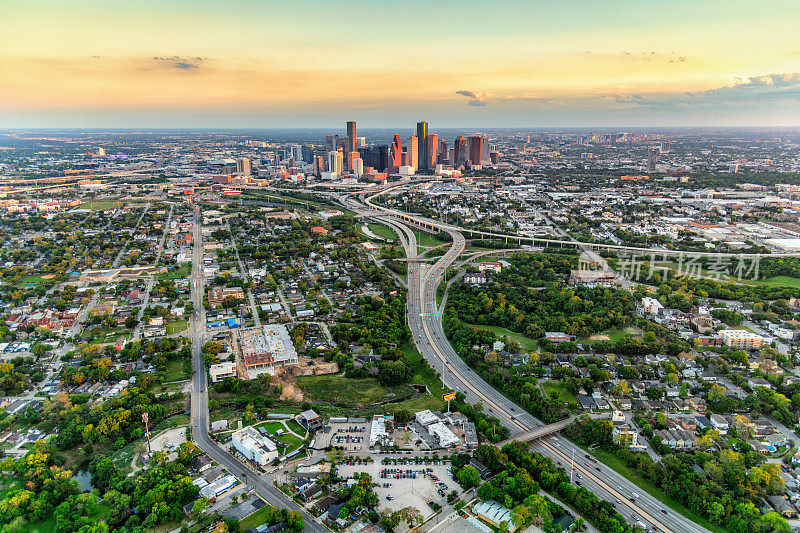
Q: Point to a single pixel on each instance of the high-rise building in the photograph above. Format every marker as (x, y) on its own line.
(422, 135)
(459, 152)
(358, 166)
(319, 165)
(351, 140)
(351, 136)
(361, 142)
(296, 152)
(351, 157)
(475, 149)
(413, 151)
(376, 157)
(335, 162)
(243, 166)
(383, 158)
(308, 153)
(330, 142)
(652, 159)
(431, 151)
(444, 154)
(395, 151)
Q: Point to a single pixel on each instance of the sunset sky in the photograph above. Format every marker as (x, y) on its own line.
(195, 63)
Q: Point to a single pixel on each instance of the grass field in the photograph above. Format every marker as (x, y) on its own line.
(177, 326)
(424, 375)
(383, 231)
(181, 272)
(255, 519)
(32, 280)
(425, 239)
(347, 392)
(175, 371)
(102, 205)
(782, 280)
(563, 394)
(297, 428)
(527, 343)
(292, 441)
(633, 476)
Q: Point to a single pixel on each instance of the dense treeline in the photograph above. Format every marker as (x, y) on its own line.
(487, 426)
(118, 503)
(727, 493)
(530, 298)
(779, 266)
(681, 292)
(521, 469)
(378, 325)
(521, 388)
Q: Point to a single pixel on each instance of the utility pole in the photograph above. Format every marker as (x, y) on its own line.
(146, 420)
(572, 467)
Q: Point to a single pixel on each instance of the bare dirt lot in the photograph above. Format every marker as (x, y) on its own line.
(169, 440)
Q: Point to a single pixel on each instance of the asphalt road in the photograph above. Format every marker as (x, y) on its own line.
(200, 422)
(425, 323)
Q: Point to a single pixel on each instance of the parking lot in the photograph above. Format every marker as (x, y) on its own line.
(408, 485)
(352, 437)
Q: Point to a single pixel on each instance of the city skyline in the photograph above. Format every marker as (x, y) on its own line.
(516, 64)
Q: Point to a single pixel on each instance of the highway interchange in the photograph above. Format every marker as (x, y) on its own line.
(425, 323)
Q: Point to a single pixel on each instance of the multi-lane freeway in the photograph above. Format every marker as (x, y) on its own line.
(199, 416)
(425, 322)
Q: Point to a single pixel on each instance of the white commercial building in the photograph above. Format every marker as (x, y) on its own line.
(443, 434)
(377, 432)
(220, 486)
(651, 306)
(426, 418)
(250, 443)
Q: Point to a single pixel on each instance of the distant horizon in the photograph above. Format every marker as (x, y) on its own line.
(432, 128)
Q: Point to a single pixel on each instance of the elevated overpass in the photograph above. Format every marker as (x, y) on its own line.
(436, 226)
(538, 433)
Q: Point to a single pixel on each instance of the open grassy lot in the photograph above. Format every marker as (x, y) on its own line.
(32, 280)
(291, 440)
(177, 326)
(613, 334)
(383, 231)
(102, 205)
(423, 375)
(255, 519)
(782, 280)
(296, 427)
(180, 272)
(347, 392)
(527, 343)
(175, 371)
(630, 474)
(559, 388)
(425, 239)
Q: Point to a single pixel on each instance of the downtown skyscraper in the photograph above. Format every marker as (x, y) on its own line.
(422, 136)
(351, 141)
